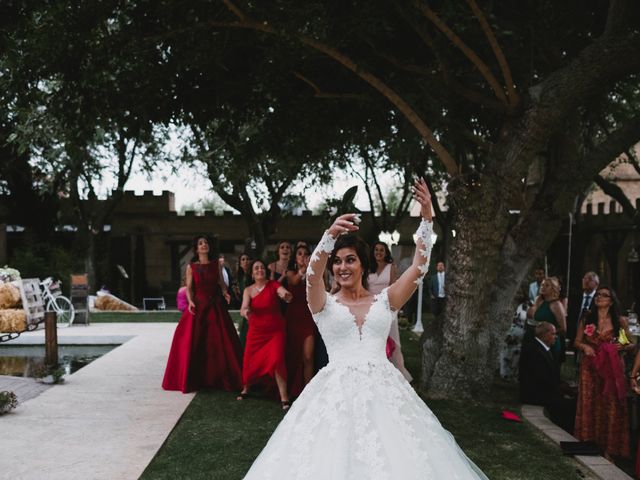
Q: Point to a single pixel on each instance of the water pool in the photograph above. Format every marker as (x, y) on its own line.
(28, 360)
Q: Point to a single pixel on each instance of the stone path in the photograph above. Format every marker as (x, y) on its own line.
(598, 467)
(107, 421)
(24, 388)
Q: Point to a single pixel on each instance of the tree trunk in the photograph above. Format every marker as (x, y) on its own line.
(259, 236)
(90, 261)
(459, 367)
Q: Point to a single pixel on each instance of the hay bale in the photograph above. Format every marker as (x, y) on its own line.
(109, 302)
(13, 320)
(9, 296)
(13, 366)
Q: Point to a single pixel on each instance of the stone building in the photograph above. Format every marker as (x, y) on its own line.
(150, 242)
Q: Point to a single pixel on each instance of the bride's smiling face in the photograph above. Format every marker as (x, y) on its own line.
(347, 268)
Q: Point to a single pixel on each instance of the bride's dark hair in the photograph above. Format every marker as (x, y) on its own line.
(361, 248)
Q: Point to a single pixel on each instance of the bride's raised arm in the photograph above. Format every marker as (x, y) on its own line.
(400, 291)
(316, 292)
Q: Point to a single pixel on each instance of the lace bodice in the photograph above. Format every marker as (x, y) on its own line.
(345, 341)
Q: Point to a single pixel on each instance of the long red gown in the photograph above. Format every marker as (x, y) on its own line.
(300, 325)
(206, 351)
(264, 350)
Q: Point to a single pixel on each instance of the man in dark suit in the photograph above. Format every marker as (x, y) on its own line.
(436, 289)
(582, 303)
(539, 378)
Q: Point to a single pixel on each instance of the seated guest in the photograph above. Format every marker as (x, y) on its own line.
(539, 377)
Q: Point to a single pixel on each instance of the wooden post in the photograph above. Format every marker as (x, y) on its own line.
(50, 339)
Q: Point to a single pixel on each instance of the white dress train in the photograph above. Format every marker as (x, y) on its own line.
(358, 418)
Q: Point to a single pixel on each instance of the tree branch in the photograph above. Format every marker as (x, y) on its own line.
(236, 11)
(369, 166)
(367, 189)
(482, 67)
(410, 114)
(633, 158)
(617, 17)
(318, 93)
(603, 62)
(403, 204)
(450, 82)
(615, 192)
(495, 46)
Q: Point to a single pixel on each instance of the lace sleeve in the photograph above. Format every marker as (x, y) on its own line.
(400, 291)
(423, 249)
(316, 293)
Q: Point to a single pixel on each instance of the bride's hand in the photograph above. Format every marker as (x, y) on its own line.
(423, 197)
(346, 223)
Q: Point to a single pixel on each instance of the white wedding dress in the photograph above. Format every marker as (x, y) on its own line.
(358, 418)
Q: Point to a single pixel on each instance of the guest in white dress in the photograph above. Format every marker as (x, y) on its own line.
(512, 344)
(384, 273)
(358, 418)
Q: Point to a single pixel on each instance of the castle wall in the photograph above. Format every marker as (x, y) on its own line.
(152, 242)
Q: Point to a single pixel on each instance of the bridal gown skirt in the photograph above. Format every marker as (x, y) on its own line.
(361, 420)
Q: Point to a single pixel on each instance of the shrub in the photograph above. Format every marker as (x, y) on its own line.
(8, 401)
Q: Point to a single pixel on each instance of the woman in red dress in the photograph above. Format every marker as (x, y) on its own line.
(264, 350)
(205, 352)
(602, 414)
(301, 329)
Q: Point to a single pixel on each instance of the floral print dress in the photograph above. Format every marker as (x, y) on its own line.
(601, 417)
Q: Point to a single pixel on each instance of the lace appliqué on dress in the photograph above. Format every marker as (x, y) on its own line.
(325, 245)
(358, 418)
(424, 245)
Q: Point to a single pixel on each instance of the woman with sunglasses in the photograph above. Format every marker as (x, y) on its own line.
(602, 414)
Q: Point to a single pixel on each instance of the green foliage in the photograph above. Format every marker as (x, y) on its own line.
(42, 260)
(210, 203)
(8, 401)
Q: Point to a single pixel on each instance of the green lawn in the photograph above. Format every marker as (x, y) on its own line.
(150, 316)
(218, 437)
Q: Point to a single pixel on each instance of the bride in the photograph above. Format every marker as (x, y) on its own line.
(358, 418)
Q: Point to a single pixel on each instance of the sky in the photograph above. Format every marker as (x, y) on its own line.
(190, 186)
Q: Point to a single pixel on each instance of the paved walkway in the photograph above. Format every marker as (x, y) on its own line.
(24, 388)
(107, 421)
(598, 466)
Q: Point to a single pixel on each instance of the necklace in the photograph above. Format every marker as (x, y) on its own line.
(259, 289)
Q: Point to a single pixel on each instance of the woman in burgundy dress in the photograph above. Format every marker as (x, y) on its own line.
(264, 351)
(278, 269)
(205, 352)
(602, 413)
(301, 329)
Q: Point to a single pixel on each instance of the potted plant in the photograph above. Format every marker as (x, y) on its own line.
(8, 401)
(50, 375)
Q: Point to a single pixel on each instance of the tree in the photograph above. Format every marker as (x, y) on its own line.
(29, 187)
(78, 112)
(246, 176)
(502, 111)
(493, 89)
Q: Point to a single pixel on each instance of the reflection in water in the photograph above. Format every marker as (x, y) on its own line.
(28, 361)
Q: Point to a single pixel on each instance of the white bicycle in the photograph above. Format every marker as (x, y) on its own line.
(56, 302)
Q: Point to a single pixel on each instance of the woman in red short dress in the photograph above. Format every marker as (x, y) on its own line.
(264, 351)
(301, 329)
(205, 352)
